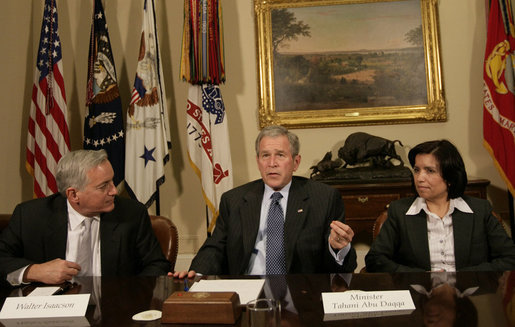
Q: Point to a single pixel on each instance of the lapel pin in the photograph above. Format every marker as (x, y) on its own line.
(300, 210)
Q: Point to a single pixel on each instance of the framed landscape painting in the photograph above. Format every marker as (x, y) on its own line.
(347, 62)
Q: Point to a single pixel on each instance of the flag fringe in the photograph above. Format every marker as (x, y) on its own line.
(511, 189)
(209, 204)
(110, 95)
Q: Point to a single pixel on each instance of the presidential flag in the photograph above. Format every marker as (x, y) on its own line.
(499, 89)
(147, 132)
(208, 144)
(103, 125)
(48, 138)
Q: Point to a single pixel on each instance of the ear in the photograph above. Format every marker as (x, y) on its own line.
(296, 162)
(71, 195)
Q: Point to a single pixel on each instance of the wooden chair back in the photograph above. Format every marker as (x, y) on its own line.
(168, 237)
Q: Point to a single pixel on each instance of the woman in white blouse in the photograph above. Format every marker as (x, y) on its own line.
(440, 229)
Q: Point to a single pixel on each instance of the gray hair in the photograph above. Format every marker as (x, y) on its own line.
(72, 169)
(275, 131)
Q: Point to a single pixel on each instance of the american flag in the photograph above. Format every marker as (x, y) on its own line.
(48, 138)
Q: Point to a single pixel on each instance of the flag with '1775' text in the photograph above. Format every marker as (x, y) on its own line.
(208, 145)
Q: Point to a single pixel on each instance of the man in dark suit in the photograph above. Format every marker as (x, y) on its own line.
(44, 240)
(314, 237)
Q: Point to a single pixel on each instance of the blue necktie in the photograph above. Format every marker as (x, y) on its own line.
(275, 258)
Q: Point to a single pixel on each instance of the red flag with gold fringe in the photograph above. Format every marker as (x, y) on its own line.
(499, 90)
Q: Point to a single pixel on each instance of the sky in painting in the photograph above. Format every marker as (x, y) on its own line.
(351, 27)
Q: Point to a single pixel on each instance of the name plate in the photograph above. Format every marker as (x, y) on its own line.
(359, 304)
(45, 306)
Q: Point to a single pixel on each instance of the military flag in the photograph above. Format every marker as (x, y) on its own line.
(202, 58)
(499, 89)
(147, 131)
(208, 144)
(202, 65)
(48, 138)
(103, 125)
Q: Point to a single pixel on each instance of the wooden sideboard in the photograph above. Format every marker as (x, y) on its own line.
(365, 201)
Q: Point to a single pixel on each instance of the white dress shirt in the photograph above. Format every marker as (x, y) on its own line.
(75, 228)
(440, 233)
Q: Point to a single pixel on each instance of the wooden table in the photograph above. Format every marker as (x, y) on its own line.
(121, 298)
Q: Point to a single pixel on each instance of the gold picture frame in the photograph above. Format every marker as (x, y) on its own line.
(310, 76)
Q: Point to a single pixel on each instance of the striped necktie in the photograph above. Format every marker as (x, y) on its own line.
(275, 257)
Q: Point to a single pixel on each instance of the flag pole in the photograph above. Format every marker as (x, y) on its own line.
(158, 203)
(207, 221)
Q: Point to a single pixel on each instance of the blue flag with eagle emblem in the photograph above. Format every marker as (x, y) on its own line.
(148, 134)
(103, 125)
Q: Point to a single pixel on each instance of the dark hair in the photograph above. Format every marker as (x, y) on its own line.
(451, 164)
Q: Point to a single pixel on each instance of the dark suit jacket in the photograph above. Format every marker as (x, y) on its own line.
(38, 229)
(480, 242)
(311, 208)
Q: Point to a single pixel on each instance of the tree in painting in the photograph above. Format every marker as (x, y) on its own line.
(414, 36)
(286, 28)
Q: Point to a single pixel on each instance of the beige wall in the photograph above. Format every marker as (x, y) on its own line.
(462, 29)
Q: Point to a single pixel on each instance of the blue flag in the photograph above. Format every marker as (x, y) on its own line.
(103, 125)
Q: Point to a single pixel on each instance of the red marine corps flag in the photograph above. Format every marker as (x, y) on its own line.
(48, 139)
(499, 89)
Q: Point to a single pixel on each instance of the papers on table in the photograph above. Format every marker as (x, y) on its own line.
(45, 291)
(247, 289)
